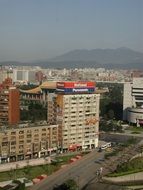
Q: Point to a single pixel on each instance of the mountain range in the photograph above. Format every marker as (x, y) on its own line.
(123, 58)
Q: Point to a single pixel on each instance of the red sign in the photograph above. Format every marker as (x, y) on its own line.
(76, 84)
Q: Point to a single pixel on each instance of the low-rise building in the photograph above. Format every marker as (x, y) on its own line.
(27, 141)
(38, 94)
(133, 101)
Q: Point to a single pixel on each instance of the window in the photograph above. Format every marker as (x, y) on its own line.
(13, 133)
(73, 98)
(29, 136)
(21, 132)
(21, 142)
(28, 131)
(21, 146)
(21, 137)
(13, 143)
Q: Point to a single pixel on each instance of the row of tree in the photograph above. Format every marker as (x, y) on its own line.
(111, 104)
(35, 112)
(67, 185)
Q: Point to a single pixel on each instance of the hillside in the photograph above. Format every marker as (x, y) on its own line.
(102, 56)
(120, 58)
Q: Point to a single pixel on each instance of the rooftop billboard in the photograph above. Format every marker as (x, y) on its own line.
(76, 84)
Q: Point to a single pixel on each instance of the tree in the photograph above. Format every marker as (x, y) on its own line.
(21, 186)
(27, 171)
(112, 100)
(111, 114)
(70, 184)
(35, 112)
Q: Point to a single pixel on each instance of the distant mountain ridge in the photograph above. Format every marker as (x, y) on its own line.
(121, 55)
(120, 58)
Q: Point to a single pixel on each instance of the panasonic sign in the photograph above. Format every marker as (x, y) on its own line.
(80, 90)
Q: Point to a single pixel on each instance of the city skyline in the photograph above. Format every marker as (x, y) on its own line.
(35, 30)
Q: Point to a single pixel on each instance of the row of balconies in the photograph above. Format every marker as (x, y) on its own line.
(77, 104)
(4, 101)
(3, 119)
(24, 147)
(78, 99)
(3, 114)
(79, 107)
(29, 135)
(79, 111)
(22, 139)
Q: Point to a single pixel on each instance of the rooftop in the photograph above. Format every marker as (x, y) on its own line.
(38, 90)
(25, 125)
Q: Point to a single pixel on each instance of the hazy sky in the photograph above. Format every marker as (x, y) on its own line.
(41, 29)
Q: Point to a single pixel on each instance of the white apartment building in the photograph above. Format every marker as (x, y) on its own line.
(77, 116)
(133, 101)
(24, 75)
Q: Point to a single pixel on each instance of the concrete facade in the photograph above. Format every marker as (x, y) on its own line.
(133, 101)
(9, 103)
(27, 141)
(78, 120)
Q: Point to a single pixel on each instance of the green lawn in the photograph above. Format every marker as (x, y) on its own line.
(135, 132)
(28, 172)
(66, 159)
(31, 172)
(124, 173)
(110, 154)
(136, 129)
(134, 166)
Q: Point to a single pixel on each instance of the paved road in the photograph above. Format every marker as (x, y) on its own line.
(111, 164)
(82, 171)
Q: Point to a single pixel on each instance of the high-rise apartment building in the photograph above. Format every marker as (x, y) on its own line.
(133, 101)
(9, 103)
(77, 114)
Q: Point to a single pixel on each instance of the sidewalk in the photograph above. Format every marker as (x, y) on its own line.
(21, 164)
(126, 178)
(4, 183)
(34, 162)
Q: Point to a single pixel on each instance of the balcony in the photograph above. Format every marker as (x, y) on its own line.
(21, 151)
(3, 115)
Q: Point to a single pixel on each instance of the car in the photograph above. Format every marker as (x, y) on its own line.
(97, 161)
(101, 160)
(99, 150)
